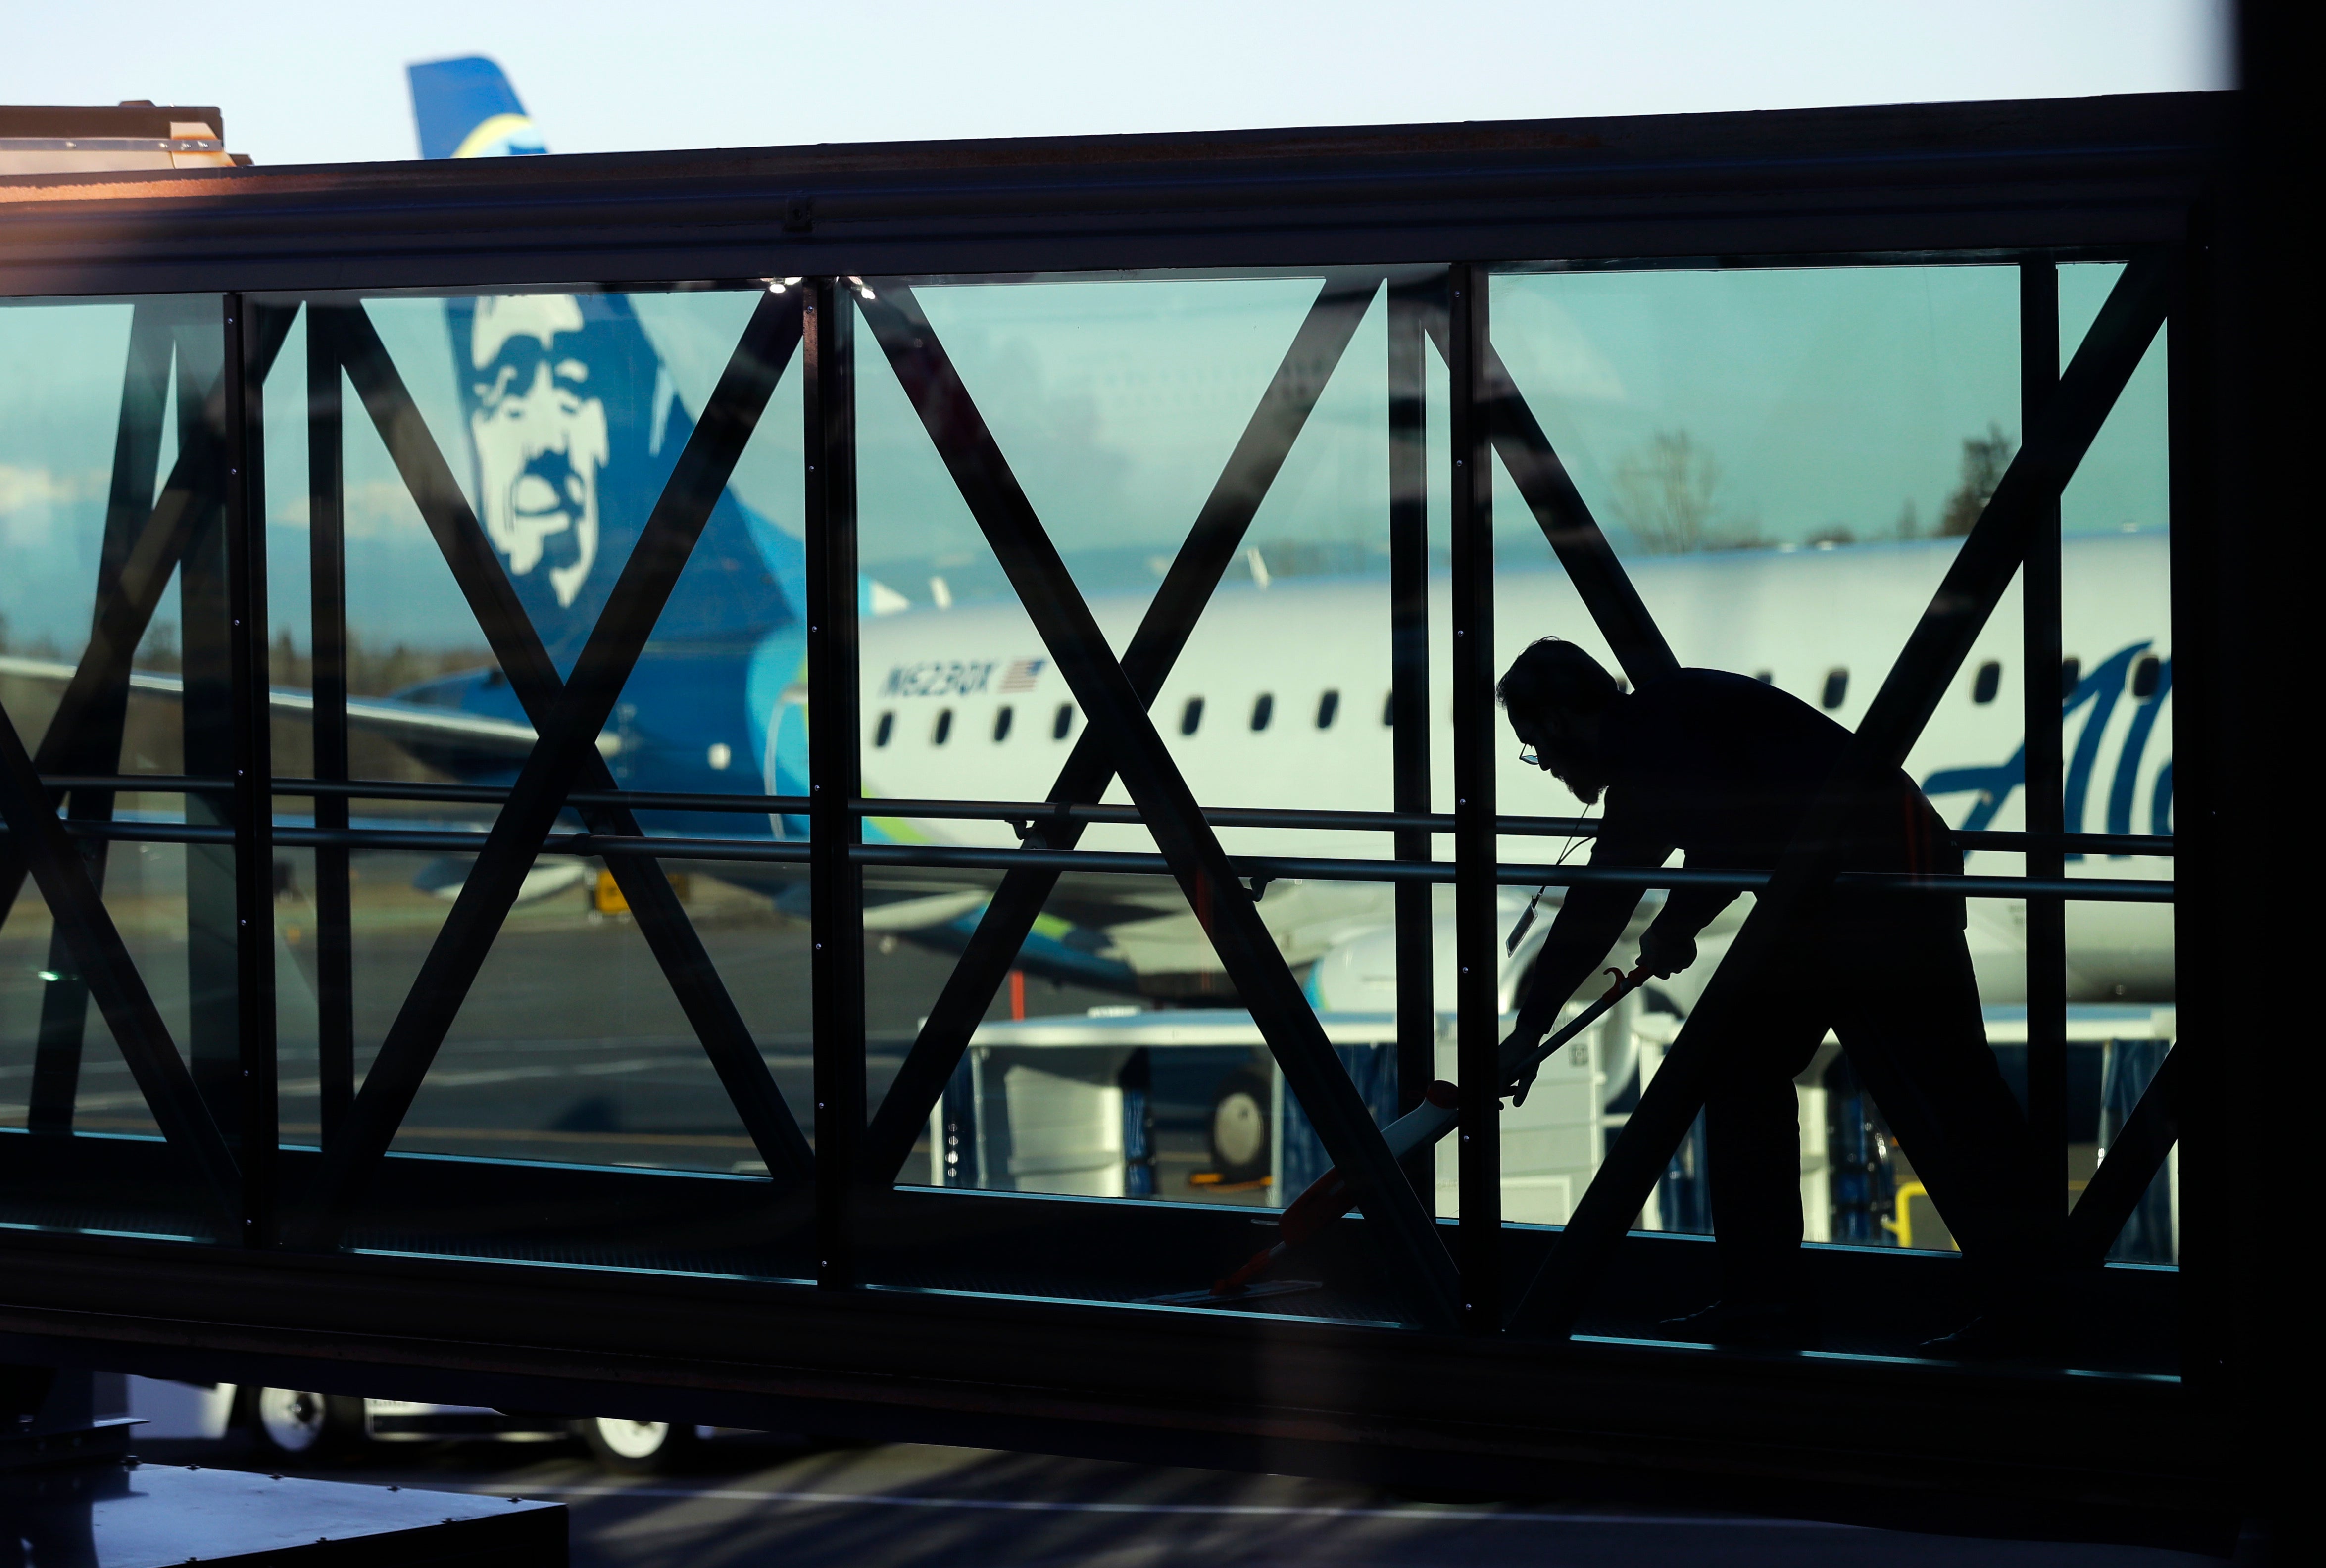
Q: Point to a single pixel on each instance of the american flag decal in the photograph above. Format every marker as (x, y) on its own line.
(1022, 673)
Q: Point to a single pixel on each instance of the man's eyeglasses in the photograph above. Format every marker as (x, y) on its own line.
(1528, 756)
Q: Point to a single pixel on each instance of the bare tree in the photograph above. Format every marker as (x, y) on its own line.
(372, 671)
(158, 648)
(1664, 494)
(1983, 460)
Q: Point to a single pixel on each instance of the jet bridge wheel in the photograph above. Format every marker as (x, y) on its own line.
(635, 1447)
(1241, 1137)
(294, 1423)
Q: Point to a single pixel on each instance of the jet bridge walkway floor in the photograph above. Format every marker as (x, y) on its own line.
(1877, 1301)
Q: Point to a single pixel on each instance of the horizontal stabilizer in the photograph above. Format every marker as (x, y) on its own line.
(384, 716)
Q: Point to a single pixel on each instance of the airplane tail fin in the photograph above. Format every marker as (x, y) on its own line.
(466, 109)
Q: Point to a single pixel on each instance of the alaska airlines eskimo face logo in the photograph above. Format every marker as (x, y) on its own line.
(541, 437)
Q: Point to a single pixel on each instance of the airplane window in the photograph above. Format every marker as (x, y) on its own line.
(1328, 708)
(2147, 675)
(1263, 709)
(1001, 723)
(883, 730)
(2071, 670)
(1063, 722)
(944, 731)
(1837, 687)
(1389, 710)
(1984, 685)
(1191, 716)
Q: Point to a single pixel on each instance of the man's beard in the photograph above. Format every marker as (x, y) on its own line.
(1583, 783)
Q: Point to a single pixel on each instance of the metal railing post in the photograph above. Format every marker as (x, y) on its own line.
(836, 883)
(206, 641)
(1408, 639)
(327, 577)
(249, 741)
(2047, 914)
(1477, 1010)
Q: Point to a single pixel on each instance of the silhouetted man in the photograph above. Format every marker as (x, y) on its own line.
(1725, 768)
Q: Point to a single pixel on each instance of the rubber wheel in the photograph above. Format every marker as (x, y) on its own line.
(296, 1424)
(1240, 1133)
(635, 1447)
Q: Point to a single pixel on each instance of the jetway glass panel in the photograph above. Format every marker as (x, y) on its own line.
(483, 468)
(1774, 454)
(125, 1058)
(1872, 413)
(1227, 471)
(452, 487)
(1176, 861)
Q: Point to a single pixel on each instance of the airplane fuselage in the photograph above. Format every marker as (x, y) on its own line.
(1280, 698)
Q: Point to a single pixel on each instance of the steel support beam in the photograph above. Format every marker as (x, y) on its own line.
(1885, 180)
(205, 715)
(250, 722)
(327, 588)
(2044, 787)
(1210, 548)
(1982, 569)
(1408, 651)
(1477, 930)
(1418, 1266)
(2237, 777)
(835, 736)
(568, 719)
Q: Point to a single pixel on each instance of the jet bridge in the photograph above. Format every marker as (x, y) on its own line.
(294, 1127)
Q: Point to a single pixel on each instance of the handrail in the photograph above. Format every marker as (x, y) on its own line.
(1131, 863)
(1026, 812)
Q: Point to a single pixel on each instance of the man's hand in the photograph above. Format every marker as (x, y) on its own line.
(1666, 955)
(1516, 1092)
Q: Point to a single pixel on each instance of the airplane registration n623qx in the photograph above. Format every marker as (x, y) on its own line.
(1281, 699)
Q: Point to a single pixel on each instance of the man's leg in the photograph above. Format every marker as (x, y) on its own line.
(1752, 1124)
(1907, 1013)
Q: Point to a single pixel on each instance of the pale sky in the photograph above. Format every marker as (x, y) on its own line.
(1831, 402)
(303, 83)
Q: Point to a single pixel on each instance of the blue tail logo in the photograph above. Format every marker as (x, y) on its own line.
(466, 109)
(574, 426)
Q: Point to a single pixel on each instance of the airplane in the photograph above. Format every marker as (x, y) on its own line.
(963, 701)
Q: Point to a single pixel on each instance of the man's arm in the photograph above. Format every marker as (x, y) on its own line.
(1590, 920)
(1669, 944)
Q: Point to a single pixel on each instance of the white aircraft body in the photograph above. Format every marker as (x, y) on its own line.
(1823, 624)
